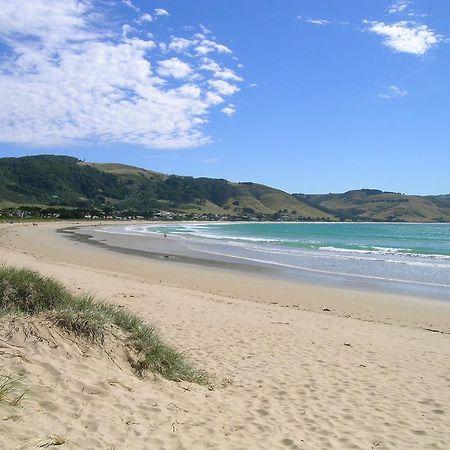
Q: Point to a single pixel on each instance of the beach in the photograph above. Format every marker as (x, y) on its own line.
(303, 365)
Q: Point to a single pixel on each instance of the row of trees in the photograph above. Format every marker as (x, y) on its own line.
(34, 212)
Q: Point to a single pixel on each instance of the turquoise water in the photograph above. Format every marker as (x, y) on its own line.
(418, 254)
(419, 239)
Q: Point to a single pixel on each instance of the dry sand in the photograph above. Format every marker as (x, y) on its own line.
(364, 375)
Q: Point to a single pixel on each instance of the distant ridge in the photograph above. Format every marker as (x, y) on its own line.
(376, 205)
(64, 181)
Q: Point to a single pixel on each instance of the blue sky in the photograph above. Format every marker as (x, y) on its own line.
(307, 95)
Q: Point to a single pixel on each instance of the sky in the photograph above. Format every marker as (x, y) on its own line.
(311, 96)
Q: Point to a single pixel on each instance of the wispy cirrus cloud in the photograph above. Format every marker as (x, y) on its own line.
(71, 74)
(321, 22)
(399, 6)
(130, 4)
(318, 21)
(405, 9)
(393, 91)
(314, 21)
(158, 12)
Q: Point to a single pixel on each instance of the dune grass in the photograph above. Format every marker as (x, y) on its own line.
(10, 392)
(27, 293)
(7, 386)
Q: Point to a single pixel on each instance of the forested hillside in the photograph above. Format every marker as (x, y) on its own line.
(65, 181)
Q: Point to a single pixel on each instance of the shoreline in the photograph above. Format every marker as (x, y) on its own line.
(179, 249)
(254, 283)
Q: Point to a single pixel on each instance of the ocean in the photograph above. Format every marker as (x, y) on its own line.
(406, 253)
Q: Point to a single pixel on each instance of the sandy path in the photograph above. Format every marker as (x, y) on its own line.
(294, 378)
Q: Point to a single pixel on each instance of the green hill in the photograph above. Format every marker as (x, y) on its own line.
(54, 180)
(267, 200)
(66, 181)
(207, 195)
(375, 205)
(63, 181)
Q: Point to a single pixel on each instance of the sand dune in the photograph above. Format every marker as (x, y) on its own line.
(287, 377)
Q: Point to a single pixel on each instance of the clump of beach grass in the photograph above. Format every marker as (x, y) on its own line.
(10, 392)
(27, 293)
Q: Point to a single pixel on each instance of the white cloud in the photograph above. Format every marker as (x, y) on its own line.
(223, 87)
(213, 98)
(404, 8)
(161, 12)
(398, 6)
(393, 91)
(180, 45)
(227, 74)
(322, 22)
(220, 72)
(406, 37)
(130, 4)
(199, 44)
(69, 76)
(126, 29)
(206, 46)
(205, 30)
(315, 21)
(145, 18)
(173, 67)
(229, 110)
(318, 21)
(49, 21)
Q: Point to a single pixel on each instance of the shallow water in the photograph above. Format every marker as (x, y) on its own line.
(406, 253)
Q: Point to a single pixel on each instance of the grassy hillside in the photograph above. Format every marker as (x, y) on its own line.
(206, 195)
(124, 170)
(370, 204)
(65, 181)
(268, 200)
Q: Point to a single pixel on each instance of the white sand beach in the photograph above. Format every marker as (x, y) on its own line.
(298, 366)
